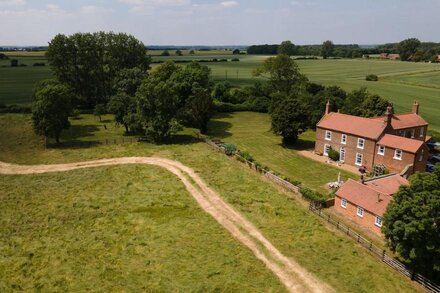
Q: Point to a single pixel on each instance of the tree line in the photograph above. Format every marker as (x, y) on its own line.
(110, 72)
(409, 50)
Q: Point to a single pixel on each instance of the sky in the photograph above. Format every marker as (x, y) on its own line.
(223, 22)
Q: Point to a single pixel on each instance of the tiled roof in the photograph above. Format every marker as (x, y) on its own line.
(365, 197)
(387, 184)
(374, 195)
(398, 142)
(360, 126)
(402, 121)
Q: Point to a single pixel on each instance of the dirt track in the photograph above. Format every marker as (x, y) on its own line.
(292, 275)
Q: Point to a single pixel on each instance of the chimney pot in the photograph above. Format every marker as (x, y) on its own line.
(327, 107)
(415, 107)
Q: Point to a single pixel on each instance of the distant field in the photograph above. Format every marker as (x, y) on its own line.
(400, 82)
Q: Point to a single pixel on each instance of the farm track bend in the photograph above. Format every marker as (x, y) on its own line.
(292, 275)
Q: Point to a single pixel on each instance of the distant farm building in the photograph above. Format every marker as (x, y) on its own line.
(389, 56)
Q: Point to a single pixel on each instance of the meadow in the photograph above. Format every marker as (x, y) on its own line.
(399, 82)
(61, 234)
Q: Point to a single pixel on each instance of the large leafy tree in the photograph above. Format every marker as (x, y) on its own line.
(51, 109)
(158, 102)
(327, 49)
(199, 108)
(287, 48)
(283, 74)
(407, 48)
(411, 223)
(289, 117)
(89, 62)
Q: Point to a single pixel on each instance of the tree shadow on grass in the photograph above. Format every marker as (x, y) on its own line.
(73, 144)
(78, 131)
(218, 128)
(299, 145)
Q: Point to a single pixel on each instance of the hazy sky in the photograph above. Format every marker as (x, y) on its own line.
(223, 22)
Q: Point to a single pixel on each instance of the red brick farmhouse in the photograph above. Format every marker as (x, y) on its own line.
(395, 141)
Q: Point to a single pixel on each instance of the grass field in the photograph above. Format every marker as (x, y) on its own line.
(251, 132)
(153, 219)
(400, 82)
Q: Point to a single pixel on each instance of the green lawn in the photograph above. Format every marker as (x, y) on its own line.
(251, 132)
(83, 212)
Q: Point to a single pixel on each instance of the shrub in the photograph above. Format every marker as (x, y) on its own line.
(75, 114)
(371, 77)
(247, 156)
(313, 195)
(235, 60)
(39, 64)
(14, 62)
(230, 149)
(334, 155)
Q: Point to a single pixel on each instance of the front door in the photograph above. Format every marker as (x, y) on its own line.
(342, 155)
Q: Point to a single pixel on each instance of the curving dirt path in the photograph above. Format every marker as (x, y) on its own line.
(292, 275)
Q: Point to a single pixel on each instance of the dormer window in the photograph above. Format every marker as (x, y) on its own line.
(328, 135)
(344, 139)
(361, 143)
(398, 154)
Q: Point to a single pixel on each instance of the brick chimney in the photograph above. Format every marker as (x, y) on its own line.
(389, 115)
(415, 108)
(328, 107)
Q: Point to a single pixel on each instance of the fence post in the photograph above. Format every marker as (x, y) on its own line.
(413, 274)
(383, 255)
(348, 230)
(337, 225)
(371, 246)
(328, 218)
(359, 238)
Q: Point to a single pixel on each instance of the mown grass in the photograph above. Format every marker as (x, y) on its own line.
(251, 132)
(329, 255)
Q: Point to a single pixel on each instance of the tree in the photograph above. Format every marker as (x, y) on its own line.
(283, 74)
(236, 52)
(165, 53)
(99, 110)
(192, 52)
(222, 91)
(123, 106)
(158, 102)
(128, 80)
(407, 48)
(327, 49)
(287, 48)
(179, 53)
(88, 62)
(289, 117)
(200, 108)
(411, 223)
(50, 111)
(373, 106)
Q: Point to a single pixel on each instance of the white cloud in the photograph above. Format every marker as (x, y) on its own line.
(10, 3)
(228, 4)
(156, 2)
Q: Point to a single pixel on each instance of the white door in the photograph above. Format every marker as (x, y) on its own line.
(342, 155)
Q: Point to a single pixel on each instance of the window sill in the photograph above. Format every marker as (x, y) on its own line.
(398, 159)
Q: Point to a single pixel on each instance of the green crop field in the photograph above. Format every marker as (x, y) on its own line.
(399, 82)
(135, 228)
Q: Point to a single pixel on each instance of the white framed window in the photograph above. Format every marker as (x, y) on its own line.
(422, 153)
(359, 159)
(344, 139)
(344, 203)
(378, 221)
(398, 154)
(422, 131)
(381, 150)
(413, 133)
(360, 212)
(361, 143)
(326, 149)
(328, 135)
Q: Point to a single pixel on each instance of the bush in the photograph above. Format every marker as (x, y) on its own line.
(235, 60)
(313, 195)
(75, 114)
(37, 64)
(334, 155)
(15, 109)
(14, 62)
(371, 77)
(230, 149)
(247, 156)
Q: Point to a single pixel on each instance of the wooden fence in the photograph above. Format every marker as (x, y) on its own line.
(316, 208)
(376, 251)
(107, 141)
